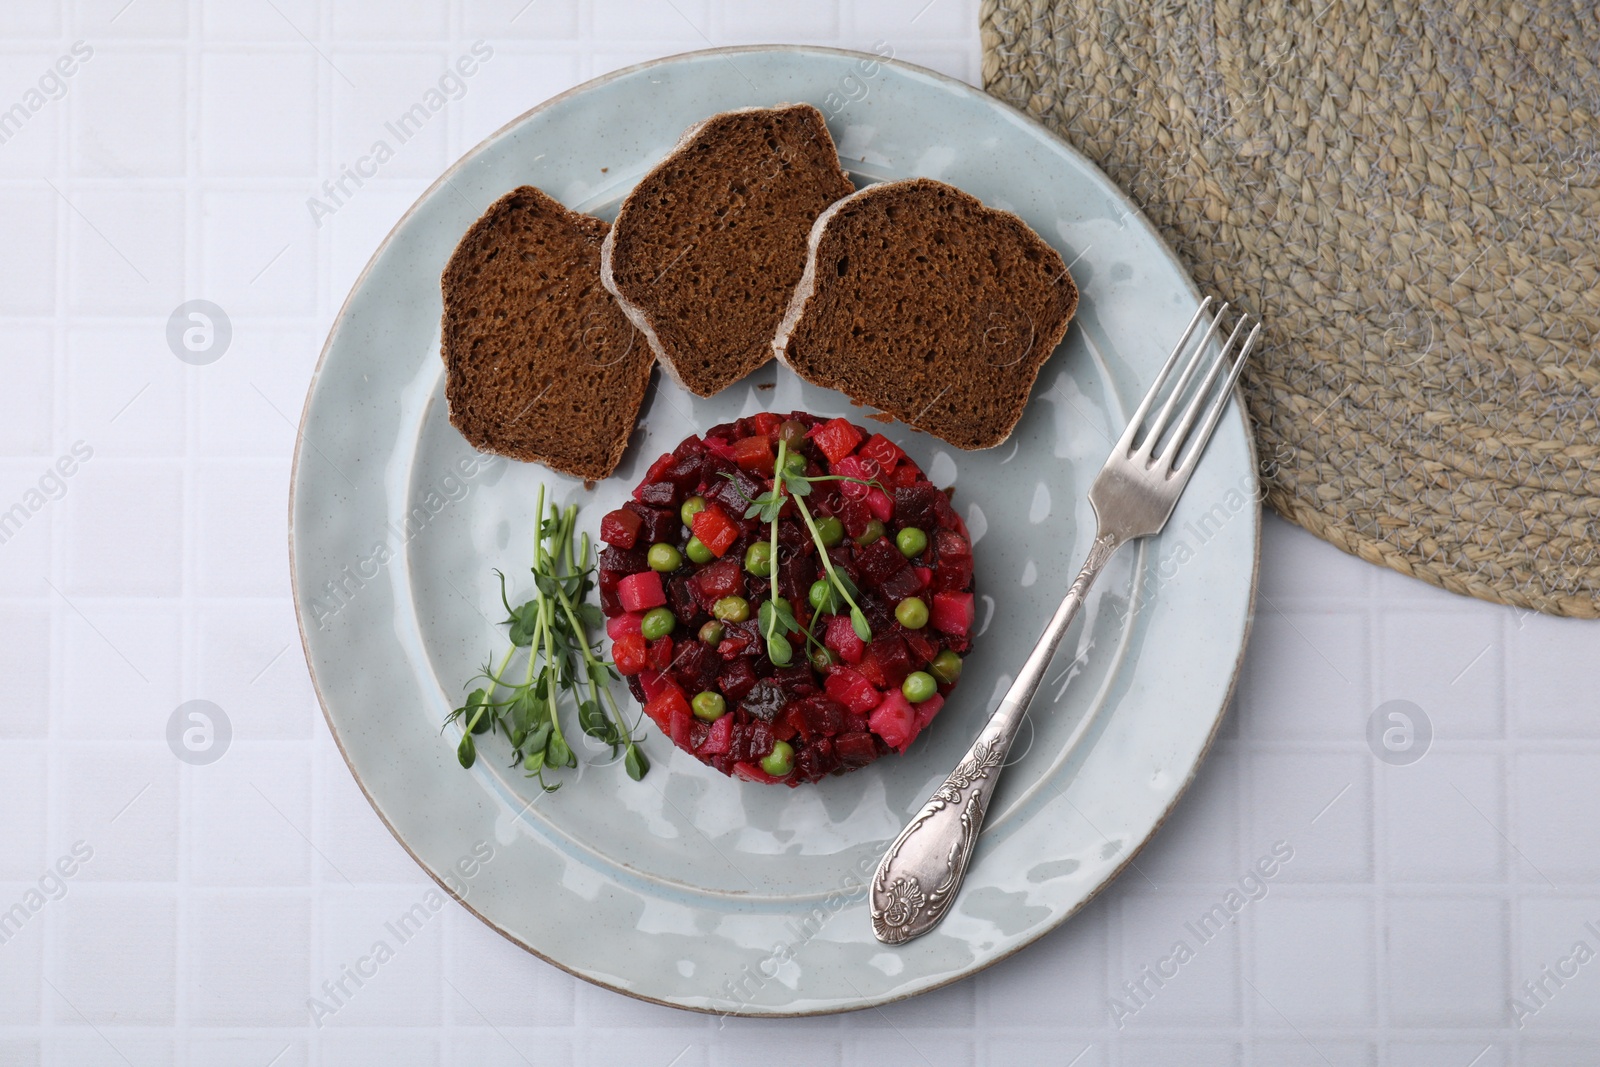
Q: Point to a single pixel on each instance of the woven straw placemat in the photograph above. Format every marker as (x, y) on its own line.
(1410, 196)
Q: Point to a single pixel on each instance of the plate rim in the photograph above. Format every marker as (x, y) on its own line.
(1116, 192)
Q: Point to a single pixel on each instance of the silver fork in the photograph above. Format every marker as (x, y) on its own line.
(1133, 497)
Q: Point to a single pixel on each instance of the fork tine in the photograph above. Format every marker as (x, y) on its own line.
(1125, 445)
(1164, 418)
(1174, 444)
(1187, 463)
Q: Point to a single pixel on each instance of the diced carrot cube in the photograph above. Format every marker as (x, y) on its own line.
(754, 454)
(715, 530)
(837, 439)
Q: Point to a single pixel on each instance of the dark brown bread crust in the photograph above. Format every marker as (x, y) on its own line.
(541, 365)
(709, 245)
(921, 301)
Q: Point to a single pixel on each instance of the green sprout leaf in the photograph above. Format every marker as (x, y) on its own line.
(466, 751)
(637, 765)
(858, 623)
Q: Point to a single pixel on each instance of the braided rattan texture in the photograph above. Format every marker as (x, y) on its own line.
(1410, 196)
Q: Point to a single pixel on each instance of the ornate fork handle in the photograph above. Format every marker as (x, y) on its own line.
(921, 872)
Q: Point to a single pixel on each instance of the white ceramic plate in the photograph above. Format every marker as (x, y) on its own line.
(690, 888)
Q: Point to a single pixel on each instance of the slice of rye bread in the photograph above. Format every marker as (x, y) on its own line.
(541, 365)
(922, 302)
(707, 248)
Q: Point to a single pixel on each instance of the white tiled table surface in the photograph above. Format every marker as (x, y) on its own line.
(175, 163)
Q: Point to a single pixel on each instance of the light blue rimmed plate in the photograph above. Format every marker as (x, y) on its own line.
(689, 888)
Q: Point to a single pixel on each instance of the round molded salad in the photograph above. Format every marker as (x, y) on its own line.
(788, 596)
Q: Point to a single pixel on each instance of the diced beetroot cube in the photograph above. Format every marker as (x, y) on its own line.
(879, 561)
(727, 491)
(927, 710)
(642, 591)
(720, 447)
(872, 672)
(952, 613)
(629, 654)
(837, 439)
(661, 494)
(852, 689)
(854, 467)
(855, 749)
(653, 684)
(658, 468)
(715, 530)
(698, 732)
(658, 653)
(915, 505)
(954, 577)
(924, 574)
(624, 624)
(754, 454)
(812, 763)
(610, 603)
(841, 637)
(690, 446)
(684, 472)
(892, 659)
(879, 503)
(636, 689)
(921, 647)
(688, 659)
(720, 579)
(716, 742)
(786, 725)
(679, 728)
(615, 563)
(736, 680)
(947, 517)
(758, 740)
(752, 773)
(661, 524)
(796, 573)
(792, 722)
(894, 720)
(765, 700)
(681, 595)
(954, 557)
(667, 703)
(823, 716)
(882, 451)
(797, 678)
(620, 528)
(737, 643)
(904, 475)
(949, 545)
(905, 582)
(855, 515)
(765, 422)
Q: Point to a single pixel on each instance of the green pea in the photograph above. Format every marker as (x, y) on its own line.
(919, 686)
(697, 551)
(823, 596)
(779, 761)
(692, 507)
(709, 706)
(830, 530)
(946, 667)
(664, 557)
(823, 658)
(731, 609)
(911, 542)
(912, 613)
(711, 633)
(875, 529)
(792, 433)
(758, 559)
(657, 622)
(794, 464)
